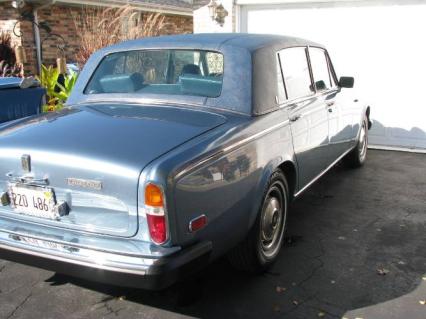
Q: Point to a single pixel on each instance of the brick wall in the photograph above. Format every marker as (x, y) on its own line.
(60, 19)
(8, 17)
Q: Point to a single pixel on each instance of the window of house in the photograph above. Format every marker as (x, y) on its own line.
(295, 68)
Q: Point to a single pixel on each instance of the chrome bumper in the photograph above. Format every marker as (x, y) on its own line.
(105, 259)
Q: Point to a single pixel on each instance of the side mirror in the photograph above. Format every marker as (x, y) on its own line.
(346, 82)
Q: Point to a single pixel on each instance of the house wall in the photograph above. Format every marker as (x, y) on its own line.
(60, 19)
(8, 17)
(204, 24)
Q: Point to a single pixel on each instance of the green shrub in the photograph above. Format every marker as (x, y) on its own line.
(57, 93)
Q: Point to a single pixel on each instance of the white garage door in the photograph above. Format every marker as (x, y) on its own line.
(383, 47)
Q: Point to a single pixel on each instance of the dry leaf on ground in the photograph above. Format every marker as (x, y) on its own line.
(382, 271)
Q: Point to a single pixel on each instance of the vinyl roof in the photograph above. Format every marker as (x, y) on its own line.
(248, 41)
(250, 82)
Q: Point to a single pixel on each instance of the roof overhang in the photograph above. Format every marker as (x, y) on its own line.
(143, 6)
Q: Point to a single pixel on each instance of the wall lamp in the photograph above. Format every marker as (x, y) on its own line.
(217, 12)
(28, 13)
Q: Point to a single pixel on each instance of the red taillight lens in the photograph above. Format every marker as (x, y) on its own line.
(197, 223)
(157, 228)
(155, 214)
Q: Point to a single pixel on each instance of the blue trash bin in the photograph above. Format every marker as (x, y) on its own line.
(16, 102)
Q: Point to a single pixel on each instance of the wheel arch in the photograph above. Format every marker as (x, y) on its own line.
(289, 170)
(367, 113)
(290, 173)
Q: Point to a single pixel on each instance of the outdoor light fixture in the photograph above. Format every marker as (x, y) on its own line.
(29, 13)
(217, 12)
(20, 55)
(18, 4)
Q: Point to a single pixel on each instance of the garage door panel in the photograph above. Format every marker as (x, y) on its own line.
(383, 47)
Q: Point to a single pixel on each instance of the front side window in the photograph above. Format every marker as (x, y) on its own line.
(295, 68)
(178, 72)
(320, 69)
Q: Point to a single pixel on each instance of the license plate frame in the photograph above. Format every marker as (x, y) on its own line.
(34, 201)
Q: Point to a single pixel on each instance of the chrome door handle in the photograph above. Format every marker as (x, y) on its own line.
(295, 117)
(330, 104)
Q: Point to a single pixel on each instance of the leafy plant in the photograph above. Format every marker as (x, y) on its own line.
(6, 50)
(57, 93)
(49, 79)
(10, 71)
(66, 88)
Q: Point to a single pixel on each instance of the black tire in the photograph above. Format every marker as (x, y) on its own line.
(254, 254)
(357, 157)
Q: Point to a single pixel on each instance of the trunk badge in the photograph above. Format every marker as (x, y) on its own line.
(26, 163)
(84, 183)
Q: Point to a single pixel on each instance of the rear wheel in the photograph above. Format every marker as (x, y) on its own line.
(356, 158)
(260, 248)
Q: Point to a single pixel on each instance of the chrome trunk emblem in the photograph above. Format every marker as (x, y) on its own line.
(84, 183)
(26, 163)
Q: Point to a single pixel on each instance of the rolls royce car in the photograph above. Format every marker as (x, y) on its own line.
(173, 151)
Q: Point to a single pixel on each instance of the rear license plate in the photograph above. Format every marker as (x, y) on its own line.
(33, 201)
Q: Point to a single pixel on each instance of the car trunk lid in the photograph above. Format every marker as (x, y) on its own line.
(93, 155)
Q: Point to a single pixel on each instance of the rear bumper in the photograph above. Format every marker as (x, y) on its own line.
(125, 268)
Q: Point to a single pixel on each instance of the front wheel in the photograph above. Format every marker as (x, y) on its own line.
(260, 248)
(356, 158)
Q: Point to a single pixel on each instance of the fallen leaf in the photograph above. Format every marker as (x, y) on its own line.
(424, 278)
(333, 282)
(422, 302)
(341, 237)
(401, 262)
(382, 271)
(277, 309)
(295, 302)
(293, 284)
(321, 314)
(359, 318)
(122, 298)
(280, 289)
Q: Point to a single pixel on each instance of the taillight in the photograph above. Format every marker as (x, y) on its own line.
(155, 213)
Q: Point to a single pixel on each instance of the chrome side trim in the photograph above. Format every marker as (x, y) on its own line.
(322, 173)
(226, 149)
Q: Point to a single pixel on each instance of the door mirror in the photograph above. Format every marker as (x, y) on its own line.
(346, 82)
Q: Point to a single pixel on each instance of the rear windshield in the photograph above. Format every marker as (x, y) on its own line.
(179, 72)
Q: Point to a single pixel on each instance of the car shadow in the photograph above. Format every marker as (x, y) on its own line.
(348, 246)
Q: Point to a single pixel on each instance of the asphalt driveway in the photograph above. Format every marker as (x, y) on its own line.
(356, 248)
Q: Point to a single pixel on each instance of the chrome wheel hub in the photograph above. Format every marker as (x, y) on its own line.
(362, 143)
(272, 223)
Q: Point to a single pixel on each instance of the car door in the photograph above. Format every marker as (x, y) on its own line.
(338, 110)
(307, 114)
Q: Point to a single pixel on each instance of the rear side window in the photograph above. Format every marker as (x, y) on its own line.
(320, 70)
(295, 68)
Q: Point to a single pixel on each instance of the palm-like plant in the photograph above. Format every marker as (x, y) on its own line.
(49, 79)
(57, 93)
(65, 89)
